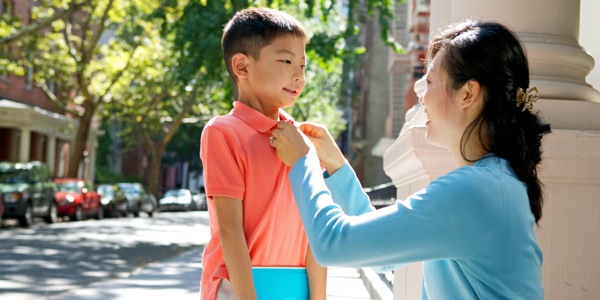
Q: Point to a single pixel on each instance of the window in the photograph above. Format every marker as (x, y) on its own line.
(29, 77)
(7, 7)
(52, 86)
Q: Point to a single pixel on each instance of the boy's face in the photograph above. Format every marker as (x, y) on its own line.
(276, 78)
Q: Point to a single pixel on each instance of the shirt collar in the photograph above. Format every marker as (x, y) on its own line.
(257, 120)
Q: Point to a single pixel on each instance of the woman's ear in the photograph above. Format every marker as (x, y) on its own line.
(239, 63)
(471, 93)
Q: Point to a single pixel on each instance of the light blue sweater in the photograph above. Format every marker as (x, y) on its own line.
(472, 227)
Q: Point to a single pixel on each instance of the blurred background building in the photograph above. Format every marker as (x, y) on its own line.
(30, 127)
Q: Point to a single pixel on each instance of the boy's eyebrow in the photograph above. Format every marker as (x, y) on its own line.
(288, 52)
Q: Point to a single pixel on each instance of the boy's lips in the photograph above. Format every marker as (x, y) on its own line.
(291, 90)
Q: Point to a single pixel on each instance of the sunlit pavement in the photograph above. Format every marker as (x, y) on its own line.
(179, 278)
(47, 261)
(176, 278)
(138, 258)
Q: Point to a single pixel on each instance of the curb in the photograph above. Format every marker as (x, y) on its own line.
(376, 286)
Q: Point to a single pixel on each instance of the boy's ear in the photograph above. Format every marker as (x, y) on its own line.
(471, 93)
(239, 63)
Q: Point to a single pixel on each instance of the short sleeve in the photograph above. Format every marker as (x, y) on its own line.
(222, 162)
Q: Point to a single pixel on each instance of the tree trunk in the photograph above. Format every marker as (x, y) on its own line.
(155, 165)
(83, 131)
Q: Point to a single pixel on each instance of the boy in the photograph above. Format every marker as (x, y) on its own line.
(253, 217)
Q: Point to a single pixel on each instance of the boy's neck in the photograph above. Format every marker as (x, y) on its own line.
(270, 112)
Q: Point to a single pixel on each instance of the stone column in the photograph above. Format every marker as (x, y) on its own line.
(51, 152)
(24, 144)
(549, 30)
(567, 233)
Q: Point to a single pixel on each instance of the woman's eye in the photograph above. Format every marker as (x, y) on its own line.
(285, 61)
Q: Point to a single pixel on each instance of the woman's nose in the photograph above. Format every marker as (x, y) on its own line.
(421, 100)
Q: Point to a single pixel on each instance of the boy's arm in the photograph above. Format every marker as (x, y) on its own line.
(317, 277)
(235, 249)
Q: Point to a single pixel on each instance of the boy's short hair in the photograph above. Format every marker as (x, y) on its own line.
(252, 29)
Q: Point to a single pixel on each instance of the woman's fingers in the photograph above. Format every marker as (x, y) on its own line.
(289, 143)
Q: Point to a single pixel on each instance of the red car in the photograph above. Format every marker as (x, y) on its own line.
(77, 199)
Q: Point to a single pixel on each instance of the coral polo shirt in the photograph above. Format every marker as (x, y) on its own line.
(240, 163)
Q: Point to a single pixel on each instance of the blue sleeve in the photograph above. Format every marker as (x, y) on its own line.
(444, 220)
(347, 191)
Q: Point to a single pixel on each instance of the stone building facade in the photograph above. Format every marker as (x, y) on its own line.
(30, 127)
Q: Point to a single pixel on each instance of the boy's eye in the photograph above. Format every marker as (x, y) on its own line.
(285, 61)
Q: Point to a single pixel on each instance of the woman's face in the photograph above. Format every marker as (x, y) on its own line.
(444, 127)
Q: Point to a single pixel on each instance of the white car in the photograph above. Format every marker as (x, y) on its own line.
(177, 200)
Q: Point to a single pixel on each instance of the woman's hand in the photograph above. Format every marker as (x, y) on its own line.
(329, 154)
(290, 143)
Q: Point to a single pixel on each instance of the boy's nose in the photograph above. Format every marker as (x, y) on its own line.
(299, 77)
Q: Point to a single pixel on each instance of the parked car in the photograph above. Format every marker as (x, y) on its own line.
(200, 199)
(113, 200)
(138, 199)
(77, 199)
(177, 200)
(27, 192)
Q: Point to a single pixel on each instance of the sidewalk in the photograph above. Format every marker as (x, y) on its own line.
(179, 278)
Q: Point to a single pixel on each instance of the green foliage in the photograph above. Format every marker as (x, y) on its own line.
(160, 60)
(185, 146)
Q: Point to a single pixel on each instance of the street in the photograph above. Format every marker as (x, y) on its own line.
(48, 261)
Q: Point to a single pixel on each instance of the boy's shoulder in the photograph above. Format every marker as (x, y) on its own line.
(223, 120)
(229, 125)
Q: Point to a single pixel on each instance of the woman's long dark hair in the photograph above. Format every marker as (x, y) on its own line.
(492, 55)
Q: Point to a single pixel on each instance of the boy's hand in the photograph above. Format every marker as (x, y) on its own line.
(329, 154)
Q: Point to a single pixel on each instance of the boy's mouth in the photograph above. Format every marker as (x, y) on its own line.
(291, 91)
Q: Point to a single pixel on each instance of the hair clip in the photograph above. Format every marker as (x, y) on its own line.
(527, 98)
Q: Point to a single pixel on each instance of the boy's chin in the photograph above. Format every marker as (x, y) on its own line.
(288, 103)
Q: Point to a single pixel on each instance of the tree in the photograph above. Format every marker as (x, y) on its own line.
(57, 10)
(77, 70)
(199, 86)
(159, 60)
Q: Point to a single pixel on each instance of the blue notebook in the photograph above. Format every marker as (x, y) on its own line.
(278, 283)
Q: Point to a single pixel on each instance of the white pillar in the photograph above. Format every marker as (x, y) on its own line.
(51, 152)
(549, 29)
(62, 159)
(24, 144)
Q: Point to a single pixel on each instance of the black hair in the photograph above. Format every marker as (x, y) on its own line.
(492, 55)
(252, 29)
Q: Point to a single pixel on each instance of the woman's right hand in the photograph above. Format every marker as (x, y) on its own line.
(329, 154)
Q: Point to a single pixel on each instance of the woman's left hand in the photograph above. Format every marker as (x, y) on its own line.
(290, 143)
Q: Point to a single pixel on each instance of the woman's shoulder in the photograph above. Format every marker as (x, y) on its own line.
(489, 168)
(483, 179)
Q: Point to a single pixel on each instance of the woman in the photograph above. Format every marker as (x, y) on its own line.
(473, 227)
